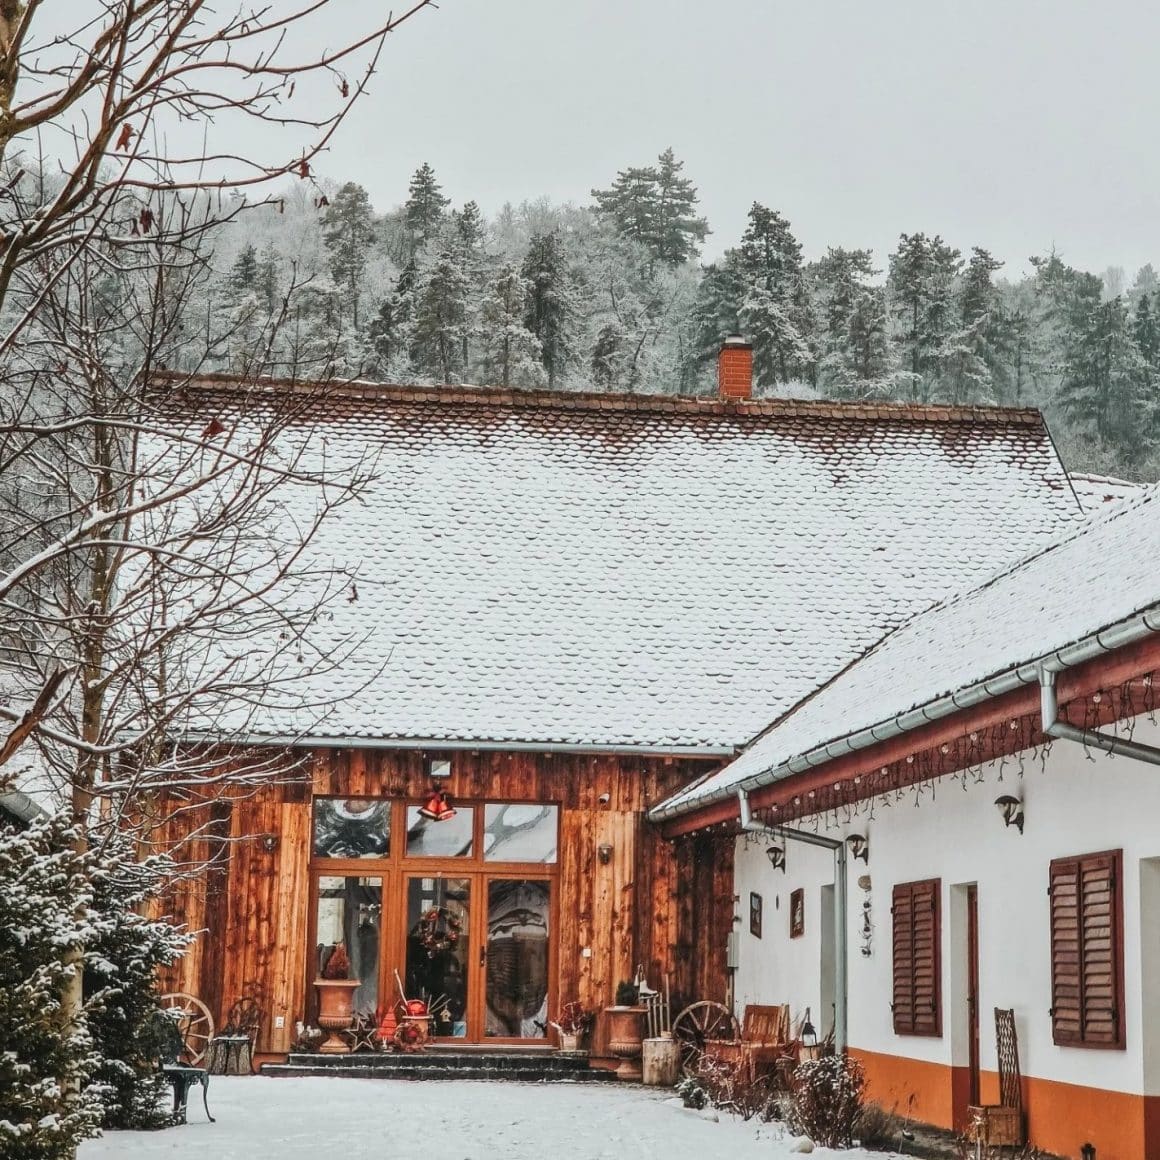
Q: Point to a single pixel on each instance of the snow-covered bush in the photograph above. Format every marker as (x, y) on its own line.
(692, 1094)
(827, 1097)
(120, 997)
(47, 1102)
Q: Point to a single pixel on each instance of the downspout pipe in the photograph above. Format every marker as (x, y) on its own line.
(1091, 738)
(841, 907)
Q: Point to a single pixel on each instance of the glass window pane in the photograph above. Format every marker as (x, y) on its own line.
(351, 828)
(349, 914)
(520, 833)
(517, 958)
(449, 838)
(438, 910)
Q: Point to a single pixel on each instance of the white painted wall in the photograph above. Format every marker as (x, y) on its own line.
(1076, 803)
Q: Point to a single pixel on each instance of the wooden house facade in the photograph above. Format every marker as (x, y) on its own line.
(557, 611)
(589, 893)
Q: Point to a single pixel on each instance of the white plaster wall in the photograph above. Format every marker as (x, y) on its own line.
(1076, 804)
(776, 968)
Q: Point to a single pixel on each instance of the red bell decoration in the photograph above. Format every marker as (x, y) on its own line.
(436, 807)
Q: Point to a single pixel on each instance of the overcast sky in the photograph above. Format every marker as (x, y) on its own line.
(1013, 124)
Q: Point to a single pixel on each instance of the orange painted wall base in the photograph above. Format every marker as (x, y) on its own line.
(1061, 1117)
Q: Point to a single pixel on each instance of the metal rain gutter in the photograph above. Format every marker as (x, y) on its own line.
(1092, 738)
(1128, 632)
(309, 741)
(841, 988)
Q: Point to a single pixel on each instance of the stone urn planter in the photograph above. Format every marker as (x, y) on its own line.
(335, 1012)
(625, 1040)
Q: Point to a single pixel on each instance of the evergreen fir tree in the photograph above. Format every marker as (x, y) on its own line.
(548, 310)
(440, 319)
(716, 312)
(121, 964)
(511, 353)
(391, 331)
(775, 314)
(425, 207)
(922, 278)
(607, 361)
(347, 230)
(47, 1101)
(244, 274)
(971, 352)
(267, 280)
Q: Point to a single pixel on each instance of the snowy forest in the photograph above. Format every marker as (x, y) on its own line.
(613, 296)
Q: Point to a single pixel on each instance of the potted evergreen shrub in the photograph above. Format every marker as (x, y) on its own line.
(336, 1001)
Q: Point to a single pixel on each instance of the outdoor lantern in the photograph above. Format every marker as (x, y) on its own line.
(859, 846)
(776, 856)
(809, 1038)
(436, 807)
(1012, 810)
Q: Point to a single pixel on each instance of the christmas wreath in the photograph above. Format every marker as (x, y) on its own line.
(438, 931)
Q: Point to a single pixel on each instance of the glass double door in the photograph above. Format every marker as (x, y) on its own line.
(477, 948)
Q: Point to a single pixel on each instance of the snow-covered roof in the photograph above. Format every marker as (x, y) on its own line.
(642, 572)
(1094, 490)
(1094, 577)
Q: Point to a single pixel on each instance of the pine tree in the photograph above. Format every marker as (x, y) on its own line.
(656, 207)
(391, 331)
(922, 279)
(347, 230)
(971, 352)
(47, 1101)
(440, 319)
(424, 209)
(267, 279)
(852, 323)
(716, 312)
(511, 353)
(468, 235)
(548, 310)
(775, 313)
(244, 274)
(607, 361)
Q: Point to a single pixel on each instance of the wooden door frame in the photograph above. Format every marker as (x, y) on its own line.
(397, 868)
(973, 1041)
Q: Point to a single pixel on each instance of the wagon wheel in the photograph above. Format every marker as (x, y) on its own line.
(193, 1021)
(700, 1022)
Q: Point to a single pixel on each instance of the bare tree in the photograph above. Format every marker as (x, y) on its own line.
(154, 532)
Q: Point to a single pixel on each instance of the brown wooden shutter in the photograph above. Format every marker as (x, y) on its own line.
(917, 998)
(1087, 958)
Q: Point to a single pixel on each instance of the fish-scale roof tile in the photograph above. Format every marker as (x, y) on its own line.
(626, 571)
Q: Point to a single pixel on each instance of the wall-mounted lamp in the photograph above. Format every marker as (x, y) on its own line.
(1012, 810)
(1088, 1152)
(604, 853)
(604, 799)
(808, 1037)
(439, 767)
(859, 847)
(268, 842)
(776, 856)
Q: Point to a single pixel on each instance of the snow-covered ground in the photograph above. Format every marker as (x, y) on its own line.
(305, 1119)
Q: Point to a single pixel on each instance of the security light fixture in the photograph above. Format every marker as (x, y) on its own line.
(776, 856)
(859, 847)
(439, 767)
(604, 853)
(1012, 810)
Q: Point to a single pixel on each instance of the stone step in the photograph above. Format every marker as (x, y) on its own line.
(559, 1061)
(393, 1069)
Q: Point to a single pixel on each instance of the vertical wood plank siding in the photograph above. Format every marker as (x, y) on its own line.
(665, 906)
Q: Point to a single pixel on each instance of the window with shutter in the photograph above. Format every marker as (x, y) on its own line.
(1087, 951)
(917, 999)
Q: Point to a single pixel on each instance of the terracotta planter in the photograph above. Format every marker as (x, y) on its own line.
(335, 1012)
(625, 1039)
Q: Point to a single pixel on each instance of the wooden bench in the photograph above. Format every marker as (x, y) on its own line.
(765, 1039)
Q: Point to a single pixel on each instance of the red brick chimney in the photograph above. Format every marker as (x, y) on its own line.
(735, 368)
